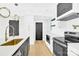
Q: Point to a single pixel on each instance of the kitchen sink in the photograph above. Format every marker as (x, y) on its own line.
(11, 42)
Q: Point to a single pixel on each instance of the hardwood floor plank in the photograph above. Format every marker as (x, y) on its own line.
(39, 49)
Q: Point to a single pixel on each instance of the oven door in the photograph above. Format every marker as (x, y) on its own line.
(59, 48)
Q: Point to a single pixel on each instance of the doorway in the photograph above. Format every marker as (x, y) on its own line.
(39, 30)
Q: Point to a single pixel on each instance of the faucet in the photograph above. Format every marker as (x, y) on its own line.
(6, 38)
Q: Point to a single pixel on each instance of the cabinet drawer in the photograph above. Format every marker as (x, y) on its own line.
(72, 53)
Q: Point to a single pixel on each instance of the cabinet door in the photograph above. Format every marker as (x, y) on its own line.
(72, 53)
(21, 50)
(24, 48)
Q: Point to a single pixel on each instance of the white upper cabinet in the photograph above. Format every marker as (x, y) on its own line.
(67, 11)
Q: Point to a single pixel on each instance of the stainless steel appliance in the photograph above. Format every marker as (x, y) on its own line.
(60, 43)
(72, 37)
(59, 46)
(48, 38)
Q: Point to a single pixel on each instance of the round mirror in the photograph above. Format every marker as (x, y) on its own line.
(4, 12)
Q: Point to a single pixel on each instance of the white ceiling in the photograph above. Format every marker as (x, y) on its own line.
(38, 9)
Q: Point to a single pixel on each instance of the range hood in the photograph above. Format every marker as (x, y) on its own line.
(70, 16)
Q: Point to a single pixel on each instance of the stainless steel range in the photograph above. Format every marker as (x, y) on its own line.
(72, 37)
(59, 46)
(60, 43)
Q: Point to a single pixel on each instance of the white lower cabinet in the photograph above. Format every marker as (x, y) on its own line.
(72, 52)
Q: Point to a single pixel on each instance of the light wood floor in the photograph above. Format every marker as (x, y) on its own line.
(39, 49)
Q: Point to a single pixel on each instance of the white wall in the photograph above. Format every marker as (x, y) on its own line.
(76, 7)
(71, 23)
(26, 28)
(68, 25)
(3, 24)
